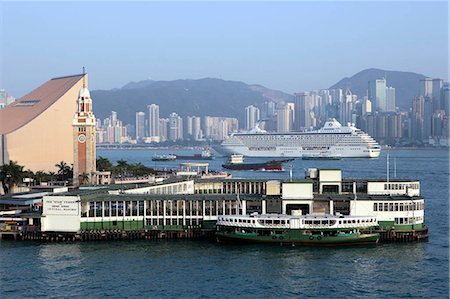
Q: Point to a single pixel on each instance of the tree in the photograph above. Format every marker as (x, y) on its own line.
(11, 175)
(103, 164)
(64, 171)
(39, 176)
(83, 178)
(121, 168)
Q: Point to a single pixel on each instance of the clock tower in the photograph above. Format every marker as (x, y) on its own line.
(84, 153)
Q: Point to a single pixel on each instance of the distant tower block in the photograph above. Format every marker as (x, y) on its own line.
(84, 159)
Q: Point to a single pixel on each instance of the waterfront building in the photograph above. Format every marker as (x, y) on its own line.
(140, 126)
(193, 127)
(114, 131)
(153, 120)
(84, 152)
(180, 204)
(218, 128)
(164, 129)
(36, 130)
(252, 116)
(377, 94)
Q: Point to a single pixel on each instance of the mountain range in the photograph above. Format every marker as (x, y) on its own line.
(217, 97)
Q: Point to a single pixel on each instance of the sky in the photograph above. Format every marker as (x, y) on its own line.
(290, 46)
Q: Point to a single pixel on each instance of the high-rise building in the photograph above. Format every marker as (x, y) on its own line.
(268, 110)
(175, 127)
(366, 106)
(377, 94)
(140, 126)
(426, 87)
(304, 114)
(436, 94)
(213, 127)
(153, 120)
(84, 137)
(446, 98)
(390, 99)
(252, 116)
(346, 108)
(284, 118)
(432, 88)
(164, 129)
(193, 127)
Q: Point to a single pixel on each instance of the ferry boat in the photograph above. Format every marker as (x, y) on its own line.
(164, 157)
(236, 162)
(313, 230)
(333, 139)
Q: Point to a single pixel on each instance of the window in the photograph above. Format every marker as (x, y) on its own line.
(375, 207)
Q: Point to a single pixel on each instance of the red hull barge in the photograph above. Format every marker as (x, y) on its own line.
(273, 165)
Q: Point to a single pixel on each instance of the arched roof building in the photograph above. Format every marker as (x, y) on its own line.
(36, 130)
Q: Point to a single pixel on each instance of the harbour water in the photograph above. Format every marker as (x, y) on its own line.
(189, 269)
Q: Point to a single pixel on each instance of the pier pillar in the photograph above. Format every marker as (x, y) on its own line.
(331, 207)
(263, 206)
(244, 207)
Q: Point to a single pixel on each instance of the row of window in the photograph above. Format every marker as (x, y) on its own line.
(398, 206)
(408, 220)
(397, 186)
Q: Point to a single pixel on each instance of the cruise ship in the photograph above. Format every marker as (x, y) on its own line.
(333, 140)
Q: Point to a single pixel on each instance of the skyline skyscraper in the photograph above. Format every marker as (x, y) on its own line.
(284, 118)
(153, 120)
(303, 114)
(252, 116)
(390, 99)
(377, 94)
(140, 125)
(175, 127)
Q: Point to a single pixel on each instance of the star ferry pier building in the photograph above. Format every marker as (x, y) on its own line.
(186, 208)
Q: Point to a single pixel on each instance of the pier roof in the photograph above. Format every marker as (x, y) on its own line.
(131, 197)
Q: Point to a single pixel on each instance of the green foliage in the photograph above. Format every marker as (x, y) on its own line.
(103, 164)
(11, 175)
(64, 171)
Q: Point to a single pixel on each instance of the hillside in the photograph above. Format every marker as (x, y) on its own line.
(186, 97)
(406, 84)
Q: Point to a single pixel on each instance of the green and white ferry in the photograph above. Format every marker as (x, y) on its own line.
(312, 229)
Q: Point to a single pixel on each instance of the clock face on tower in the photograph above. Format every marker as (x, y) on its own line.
(81, 138)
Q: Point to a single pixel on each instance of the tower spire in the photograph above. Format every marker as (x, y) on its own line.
(84, 77)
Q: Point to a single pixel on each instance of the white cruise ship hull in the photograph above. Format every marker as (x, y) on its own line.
(333, 140)
(347, 152)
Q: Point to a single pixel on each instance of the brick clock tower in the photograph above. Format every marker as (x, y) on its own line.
(84, 153)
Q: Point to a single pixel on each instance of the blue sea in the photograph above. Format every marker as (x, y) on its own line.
(202, 269)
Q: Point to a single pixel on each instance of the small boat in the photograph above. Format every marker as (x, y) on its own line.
(311, 229)
(169, 157)
(236, 162)
(205, 155)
